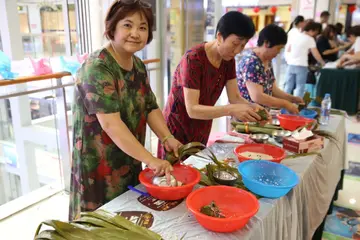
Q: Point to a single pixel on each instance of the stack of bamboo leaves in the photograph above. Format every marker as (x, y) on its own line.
(98, 225)
(241, 127)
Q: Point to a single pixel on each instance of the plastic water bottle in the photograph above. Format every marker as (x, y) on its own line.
(325, 110)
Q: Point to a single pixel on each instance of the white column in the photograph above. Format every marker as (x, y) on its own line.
(97, 23)
(10, 30)
(20, 107)
(35, 27)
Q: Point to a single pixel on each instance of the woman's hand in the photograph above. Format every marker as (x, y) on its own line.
(291, 108)
(245, 112)
(172, 145)
(161, 167)
(297, 100)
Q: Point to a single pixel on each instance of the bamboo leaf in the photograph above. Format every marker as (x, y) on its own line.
(49, 235)
(301, 155)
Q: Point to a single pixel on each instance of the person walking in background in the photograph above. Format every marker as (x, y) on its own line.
(255, 74)
(296, 74)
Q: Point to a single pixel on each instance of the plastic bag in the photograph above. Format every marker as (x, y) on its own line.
(5, 67)
(42, 66)
(69, 66)
(81, 58)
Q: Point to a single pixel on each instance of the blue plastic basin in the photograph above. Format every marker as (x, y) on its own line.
(307, 113)
(267, 179)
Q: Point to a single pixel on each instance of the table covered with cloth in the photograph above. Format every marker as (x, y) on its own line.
(343, 86)
(294, 216)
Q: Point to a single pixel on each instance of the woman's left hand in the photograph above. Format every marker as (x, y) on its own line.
(297, 100)
(173, 145)
(257, 108)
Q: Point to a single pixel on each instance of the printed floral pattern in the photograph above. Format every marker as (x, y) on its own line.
(250, 68)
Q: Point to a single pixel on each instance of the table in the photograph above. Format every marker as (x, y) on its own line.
(294, 216)
(344, 87)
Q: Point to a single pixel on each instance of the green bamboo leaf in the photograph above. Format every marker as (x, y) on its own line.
(88, 219)
(49, 235)
(68, 231)
(124, 223)
(119, 234)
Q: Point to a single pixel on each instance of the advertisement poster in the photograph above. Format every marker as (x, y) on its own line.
(343, 223)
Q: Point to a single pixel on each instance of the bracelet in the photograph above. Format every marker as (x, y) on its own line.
(167, 138)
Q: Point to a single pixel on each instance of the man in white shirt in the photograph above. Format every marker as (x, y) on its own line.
(297, 59)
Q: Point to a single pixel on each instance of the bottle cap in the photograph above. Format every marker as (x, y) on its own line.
(327, 95)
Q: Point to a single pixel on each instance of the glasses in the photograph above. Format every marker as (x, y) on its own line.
(140, 2)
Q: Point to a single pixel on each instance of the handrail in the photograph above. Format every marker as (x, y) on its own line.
(6, 82)
(153, 60)
(19, 80)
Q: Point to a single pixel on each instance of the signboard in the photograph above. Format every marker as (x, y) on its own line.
(307, 8)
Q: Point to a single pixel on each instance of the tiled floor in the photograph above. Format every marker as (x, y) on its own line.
(56, 207)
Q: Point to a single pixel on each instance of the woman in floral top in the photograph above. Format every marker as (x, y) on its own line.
(255, 76)
(113, 103)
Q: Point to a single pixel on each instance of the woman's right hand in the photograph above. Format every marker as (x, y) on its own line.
(245, 112)
(291, 108)
(161, 167)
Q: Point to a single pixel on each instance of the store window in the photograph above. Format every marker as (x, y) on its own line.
(42, 28)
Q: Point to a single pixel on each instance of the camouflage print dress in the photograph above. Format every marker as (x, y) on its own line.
(100, 170)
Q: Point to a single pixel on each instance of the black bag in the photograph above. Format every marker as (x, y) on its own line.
(311, 78)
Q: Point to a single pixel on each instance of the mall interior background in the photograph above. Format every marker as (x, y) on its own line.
(33, 164)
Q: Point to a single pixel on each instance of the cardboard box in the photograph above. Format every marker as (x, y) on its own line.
(312, 144)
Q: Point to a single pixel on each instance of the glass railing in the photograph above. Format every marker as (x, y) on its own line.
(35, 138)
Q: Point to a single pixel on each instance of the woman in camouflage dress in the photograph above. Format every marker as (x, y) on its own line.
(113, 102)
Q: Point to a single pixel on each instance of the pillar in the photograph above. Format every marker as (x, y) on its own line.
(20, 107)
(36, 28)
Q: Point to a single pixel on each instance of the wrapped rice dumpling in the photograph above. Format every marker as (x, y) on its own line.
(212, 210)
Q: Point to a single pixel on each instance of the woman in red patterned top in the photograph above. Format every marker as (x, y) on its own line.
(199, 79)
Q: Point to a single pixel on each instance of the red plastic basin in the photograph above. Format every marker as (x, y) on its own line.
(236, 204)
(187, 175)
(277, 153)
(291, 122)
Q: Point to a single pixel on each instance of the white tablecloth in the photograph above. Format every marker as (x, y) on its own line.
(294, 216)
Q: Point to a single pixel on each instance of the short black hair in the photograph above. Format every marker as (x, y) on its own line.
(272, 34)
(355, 30)
(339, 28)
(314, 26)
(325, 14)
(235, 23)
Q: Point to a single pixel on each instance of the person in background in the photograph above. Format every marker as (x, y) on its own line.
(324, 19)
(255, 75)
(113, 103)
(339, 31)
(203, 72)
(297, 70)
(354, 52)
(326, 44)
(295, 27)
